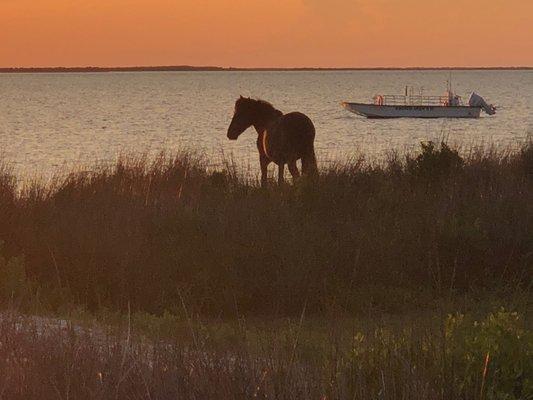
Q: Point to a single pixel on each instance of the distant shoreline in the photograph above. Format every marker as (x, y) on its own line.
(187, 68)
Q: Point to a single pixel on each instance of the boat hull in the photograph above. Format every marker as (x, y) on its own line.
(412, 111)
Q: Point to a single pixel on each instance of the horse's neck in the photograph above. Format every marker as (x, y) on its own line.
(265, 120)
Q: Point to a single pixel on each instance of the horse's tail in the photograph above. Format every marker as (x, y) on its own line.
(309, 165)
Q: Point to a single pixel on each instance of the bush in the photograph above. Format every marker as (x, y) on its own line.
(433, 162)
(502, 344)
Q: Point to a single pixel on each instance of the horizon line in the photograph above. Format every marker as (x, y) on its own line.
(178, 68)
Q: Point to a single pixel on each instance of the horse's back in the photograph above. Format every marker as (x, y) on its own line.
(290, 138)
(297, 124)
(298, 134)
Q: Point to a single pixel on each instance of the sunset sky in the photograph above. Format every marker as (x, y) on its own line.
(266, 33)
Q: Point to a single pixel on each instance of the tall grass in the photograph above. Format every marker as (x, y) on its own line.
(158, 234)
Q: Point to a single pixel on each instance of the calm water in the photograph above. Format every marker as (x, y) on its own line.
(52, 121)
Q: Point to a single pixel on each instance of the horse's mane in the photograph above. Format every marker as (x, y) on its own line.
(264, 105)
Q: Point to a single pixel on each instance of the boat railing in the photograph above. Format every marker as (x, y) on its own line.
(411, 100)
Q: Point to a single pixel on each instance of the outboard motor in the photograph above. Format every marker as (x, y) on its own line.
(477, 101)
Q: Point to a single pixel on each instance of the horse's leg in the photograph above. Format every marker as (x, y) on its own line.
(281, 170)
(309, 166)
(293, 169)
(264, 161)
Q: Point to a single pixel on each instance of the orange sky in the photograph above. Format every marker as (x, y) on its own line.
(264, 33)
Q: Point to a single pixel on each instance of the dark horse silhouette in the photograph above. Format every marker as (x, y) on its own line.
(282, 138)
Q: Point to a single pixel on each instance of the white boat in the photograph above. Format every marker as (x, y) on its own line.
(418, 106)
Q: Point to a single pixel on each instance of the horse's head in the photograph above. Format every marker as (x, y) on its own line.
(243, 117)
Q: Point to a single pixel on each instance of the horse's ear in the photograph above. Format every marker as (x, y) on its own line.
(241, 97)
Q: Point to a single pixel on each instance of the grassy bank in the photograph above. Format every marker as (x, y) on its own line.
(155, 235)
(404, 279)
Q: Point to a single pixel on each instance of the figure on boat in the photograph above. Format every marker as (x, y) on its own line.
(281, 138)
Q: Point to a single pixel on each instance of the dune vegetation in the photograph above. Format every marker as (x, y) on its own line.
(404, 278)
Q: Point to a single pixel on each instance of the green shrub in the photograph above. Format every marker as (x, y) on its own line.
(500, 341)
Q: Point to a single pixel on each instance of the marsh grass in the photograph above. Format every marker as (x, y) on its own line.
(155, 233)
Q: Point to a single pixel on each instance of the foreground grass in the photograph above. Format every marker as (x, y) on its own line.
(423, 357)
